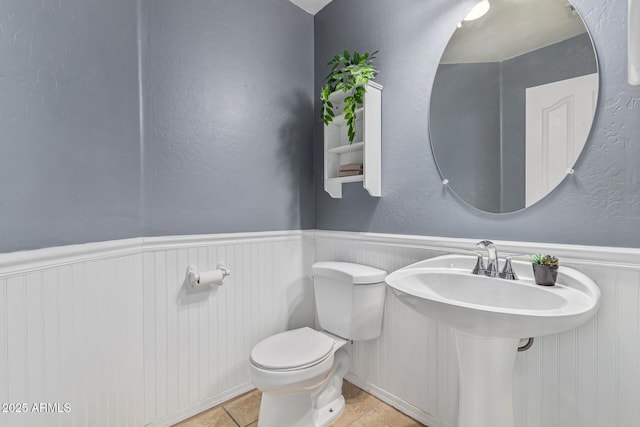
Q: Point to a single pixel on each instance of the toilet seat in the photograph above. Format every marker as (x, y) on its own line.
(292, 350)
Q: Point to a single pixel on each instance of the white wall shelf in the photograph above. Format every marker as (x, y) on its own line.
(346, 148)
(345, 179)
(365, 149)
(339, 119)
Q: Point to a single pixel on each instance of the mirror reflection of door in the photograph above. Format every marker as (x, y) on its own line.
(558, 120)
(477, 118)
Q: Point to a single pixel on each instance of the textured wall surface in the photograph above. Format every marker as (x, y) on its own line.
(227, 89)
(228, 122)
(599, 205)
(69, 151)
(227, 133)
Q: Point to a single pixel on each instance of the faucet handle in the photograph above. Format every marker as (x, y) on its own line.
(507, 272)
(479, 268)
(485, 244)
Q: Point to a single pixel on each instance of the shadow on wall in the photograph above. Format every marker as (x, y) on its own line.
(295, 157)
(301, 303)
(298, 299)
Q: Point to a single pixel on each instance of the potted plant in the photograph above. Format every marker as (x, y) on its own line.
(350, 72)
(545, 269)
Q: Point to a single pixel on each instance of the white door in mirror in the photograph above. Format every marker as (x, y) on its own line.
(558, 120)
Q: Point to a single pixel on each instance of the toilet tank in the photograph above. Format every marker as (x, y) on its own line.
(349, 299)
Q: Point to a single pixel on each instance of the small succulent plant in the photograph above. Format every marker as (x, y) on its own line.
(547, 260)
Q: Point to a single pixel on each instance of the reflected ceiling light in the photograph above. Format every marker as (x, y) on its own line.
(478, 10)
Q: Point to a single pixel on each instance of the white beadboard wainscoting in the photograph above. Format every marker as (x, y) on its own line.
(585, 377)
(110, 329)
(197, 343)
(71, 333)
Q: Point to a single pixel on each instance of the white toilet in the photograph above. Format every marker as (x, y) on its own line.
(300, 371)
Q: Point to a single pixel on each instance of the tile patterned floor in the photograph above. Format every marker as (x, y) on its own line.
(361, 410)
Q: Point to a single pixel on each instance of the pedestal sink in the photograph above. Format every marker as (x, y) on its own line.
(489, 316)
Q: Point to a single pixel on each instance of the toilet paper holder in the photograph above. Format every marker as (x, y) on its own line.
(196, 278)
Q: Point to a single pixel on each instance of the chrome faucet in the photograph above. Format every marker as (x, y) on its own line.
(492, 257)
(491, 269)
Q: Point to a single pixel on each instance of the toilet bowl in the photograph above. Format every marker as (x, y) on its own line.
(300, 371)
(300, 375)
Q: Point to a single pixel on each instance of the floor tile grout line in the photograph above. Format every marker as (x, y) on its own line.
(377, 404)
(231, 416)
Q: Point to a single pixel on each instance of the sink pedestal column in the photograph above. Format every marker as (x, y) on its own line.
(486, 380)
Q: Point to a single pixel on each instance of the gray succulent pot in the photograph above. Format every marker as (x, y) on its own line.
(545, 275)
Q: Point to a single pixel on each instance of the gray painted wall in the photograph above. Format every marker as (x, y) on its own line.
(225, 143)
(228, 101)
(465, 129)
(69, 152)
(227, 135)
(599, 205)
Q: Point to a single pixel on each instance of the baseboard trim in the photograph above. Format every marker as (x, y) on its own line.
(402, 406)
(202, 406)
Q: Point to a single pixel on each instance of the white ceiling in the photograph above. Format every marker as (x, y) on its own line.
(511, 28)
(311, 6)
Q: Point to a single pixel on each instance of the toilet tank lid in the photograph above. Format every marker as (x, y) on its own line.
(357, 274)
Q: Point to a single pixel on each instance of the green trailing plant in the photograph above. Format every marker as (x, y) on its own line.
(349, 73)
(548, 260)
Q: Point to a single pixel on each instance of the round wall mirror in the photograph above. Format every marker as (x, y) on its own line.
(513, 102)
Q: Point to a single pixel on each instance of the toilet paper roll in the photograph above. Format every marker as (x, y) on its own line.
(213, 277)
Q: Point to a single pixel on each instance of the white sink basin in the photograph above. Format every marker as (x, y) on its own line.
(443, 288)
(489, 316)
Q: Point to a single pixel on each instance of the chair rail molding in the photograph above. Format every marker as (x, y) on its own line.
(574, 254)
